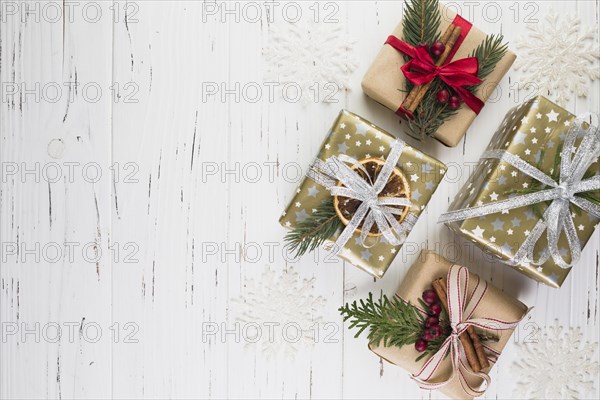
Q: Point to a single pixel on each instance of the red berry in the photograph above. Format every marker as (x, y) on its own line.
(435, 331)
(442, 96)
(435, 309)
(432, 321)
(454, 102)
(421, 345)
(430, 297)
(437, 49)
(428, 335)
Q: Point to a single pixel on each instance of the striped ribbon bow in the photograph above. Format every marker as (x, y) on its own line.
(460, 310)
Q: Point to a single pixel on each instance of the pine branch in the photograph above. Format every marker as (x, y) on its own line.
(421, 21)
(420, 24)
(430, 114)
(393, 322)
(314, 230)
(489, 53)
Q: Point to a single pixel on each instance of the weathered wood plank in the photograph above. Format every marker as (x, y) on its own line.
(55, 207)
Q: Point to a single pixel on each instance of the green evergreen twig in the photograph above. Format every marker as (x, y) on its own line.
(393, 322)
(420, 24)
(314, 230)
(489, 53)
(421, 21)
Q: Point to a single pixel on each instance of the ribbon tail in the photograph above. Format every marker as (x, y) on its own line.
(585, 155)
(476, 296)
(348, 231)
(498, 206)
(458, 282)
(466, 385)
(319, 172)
(587, 206)
(525, 252)
(366, 228)
(472, 101)
(559, 219)
(401, 46)
(429, 368)
(387, 169)
(492, 324)
(521, 165)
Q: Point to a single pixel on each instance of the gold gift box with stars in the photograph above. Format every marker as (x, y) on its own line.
(535, 132)
(360, 139)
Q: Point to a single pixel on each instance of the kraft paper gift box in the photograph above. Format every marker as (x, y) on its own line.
(385, 83)
(535, 132)
(356, 137)
(494, 304)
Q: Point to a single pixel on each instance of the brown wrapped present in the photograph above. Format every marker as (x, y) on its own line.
(503, 311)
(386, 83)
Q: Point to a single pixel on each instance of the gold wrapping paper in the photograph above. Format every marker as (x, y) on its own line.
(534, 131)
(358, 138)
(384, 79)
(494, 304)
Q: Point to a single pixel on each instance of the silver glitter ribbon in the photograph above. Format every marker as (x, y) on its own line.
(373, 209)
(557, 218)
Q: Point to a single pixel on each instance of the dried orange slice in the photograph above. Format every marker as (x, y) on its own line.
(396, 186)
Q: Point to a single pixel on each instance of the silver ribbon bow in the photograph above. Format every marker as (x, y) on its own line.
(373, 209)
(557, 218)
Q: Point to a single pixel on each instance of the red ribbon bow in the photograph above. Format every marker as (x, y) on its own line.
(456, 74)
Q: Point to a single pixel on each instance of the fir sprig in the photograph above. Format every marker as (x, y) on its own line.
(421, 21)
(393, 322)
(489, 53)
(430, 114)
(314, 230)
(420, 24)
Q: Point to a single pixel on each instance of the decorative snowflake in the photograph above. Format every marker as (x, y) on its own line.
(281, 311)
(559, 57)
(557, 366)
(312, 58)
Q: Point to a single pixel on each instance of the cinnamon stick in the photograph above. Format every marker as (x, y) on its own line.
(408, 101)
(410, 98)
(483, 360)
(415, 96)
(439, 285)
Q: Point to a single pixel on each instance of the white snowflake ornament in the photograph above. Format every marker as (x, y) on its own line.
(313, 58)
(557, 366)
(559, 57)
(283, 312)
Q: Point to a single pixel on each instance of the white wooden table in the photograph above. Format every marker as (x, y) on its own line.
(139, 207)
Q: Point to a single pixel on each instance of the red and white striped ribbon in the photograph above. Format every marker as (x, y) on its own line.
(460, 310)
